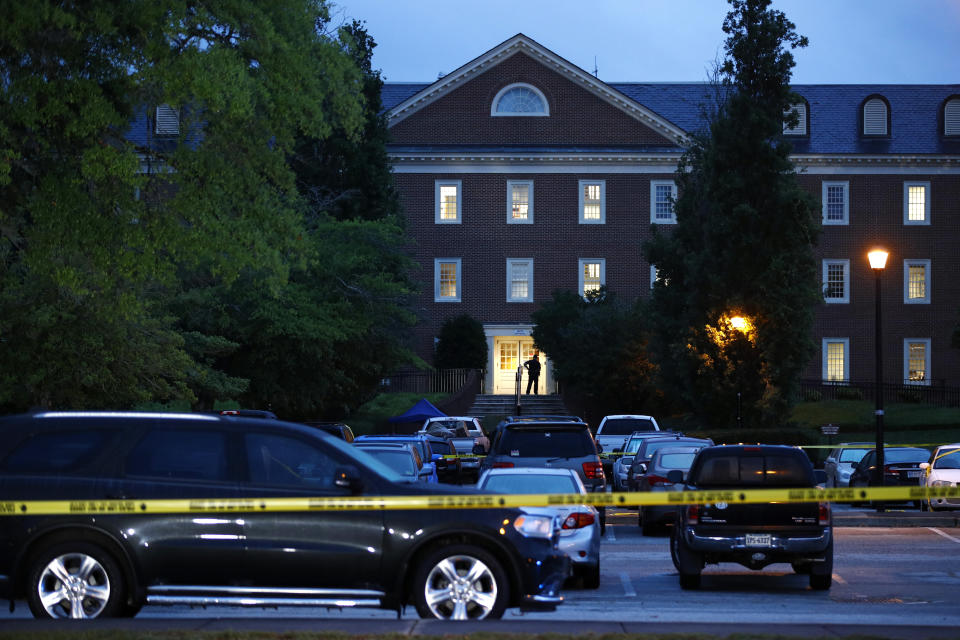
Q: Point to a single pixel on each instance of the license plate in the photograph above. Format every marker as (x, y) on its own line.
(913, 474)
(758, 540)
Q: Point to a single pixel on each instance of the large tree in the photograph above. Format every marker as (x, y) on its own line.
(743, 245)
(89, 257)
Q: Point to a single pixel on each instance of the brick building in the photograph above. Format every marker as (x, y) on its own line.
(521, 173)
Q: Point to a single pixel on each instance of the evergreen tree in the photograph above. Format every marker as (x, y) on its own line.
(743, 243)
(462, 344)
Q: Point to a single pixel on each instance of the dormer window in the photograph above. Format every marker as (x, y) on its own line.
(951, 117)
(520, 100)
(876, 117)
(167, 121)
(800, 128)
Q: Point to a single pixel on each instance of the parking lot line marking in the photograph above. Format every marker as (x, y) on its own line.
(838, 579)
(945, 535)
(627, 587)
(610, 535)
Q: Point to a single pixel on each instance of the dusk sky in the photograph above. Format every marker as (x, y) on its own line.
(851, 41)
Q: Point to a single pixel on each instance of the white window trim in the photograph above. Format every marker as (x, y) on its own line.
(653, 275)
(846, 358)
(510, 218)
(926, 362)
(846, 201)
(513, 114)
(436, 280)
(653, 201)
(436, 200)
(926, 202)
(846, 281)
(529, 263)
(906, 282)
(603, 201)
(603, 273)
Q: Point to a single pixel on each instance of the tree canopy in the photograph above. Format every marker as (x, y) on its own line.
(137, 270)
(743, 243)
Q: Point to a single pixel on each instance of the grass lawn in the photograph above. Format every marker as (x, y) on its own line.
(370, 417)
(903, 423)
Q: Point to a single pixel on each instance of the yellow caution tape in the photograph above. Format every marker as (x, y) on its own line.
(492, 501)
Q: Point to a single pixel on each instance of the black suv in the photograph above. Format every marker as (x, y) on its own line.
(753, 535)
(110, 552)
(545, 442)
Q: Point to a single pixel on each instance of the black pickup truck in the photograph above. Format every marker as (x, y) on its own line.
(753, 535)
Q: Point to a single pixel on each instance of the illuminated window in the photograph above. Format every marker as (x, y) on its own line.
(836, 202)
(446, 276)
(592, 274)
(836, 281)
(662, 195)
(916, 361)
(875, 117)
(447, 197)
(800, 128)
(520, 202)
(520, 280)
(592, 207)
(916, 281)
(836, 359)
(520, 100)
(916, 203)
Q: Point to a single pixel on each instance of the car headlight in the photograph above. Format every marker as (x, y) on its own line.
(534, 526)
(940, 483)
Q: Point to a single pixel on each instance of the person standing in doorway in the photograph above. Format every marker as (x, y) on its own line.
(533, 371)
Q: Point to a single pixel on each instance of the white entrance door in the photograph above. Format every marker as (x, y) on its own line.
(510, 353)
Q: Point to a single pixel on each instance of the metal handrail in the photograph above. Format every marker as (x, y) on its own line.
(518, 385)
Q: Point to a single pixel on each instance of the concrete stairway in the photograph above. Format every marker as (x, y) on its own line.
(505, 405)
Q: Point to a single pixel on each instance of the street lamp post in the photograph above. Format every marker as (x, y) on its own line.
(878, 260)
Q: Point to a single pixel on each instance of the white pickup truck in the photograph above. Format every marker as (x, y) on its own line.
(614, 430)
(465, 433)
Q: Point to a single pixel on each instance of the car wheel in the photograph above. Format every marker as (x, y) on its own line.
(820, 582)
(647, 526)
(821, 573)
(689, 580)
(689, 563)
(591, 577)
(802, 568)
(460, 582)
(76, 580)
(603, 520)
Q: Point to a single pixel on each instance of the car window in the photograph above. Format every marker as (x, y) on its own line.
(676, 460)
(769, 470)
(443, 448)
(279, 459)
(852, 455)
(947, 459)
(56, 452)
(652, 447)
(529, 483)
(399, 460)
(626, 426)
(179, 454)
(546, 443)
(634, 445)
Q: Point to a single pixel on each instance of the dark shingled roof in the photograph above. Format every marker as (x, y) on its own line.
(916, 113)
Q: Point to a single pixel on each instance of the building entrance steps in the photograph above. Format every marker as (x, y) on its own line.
(505, 405)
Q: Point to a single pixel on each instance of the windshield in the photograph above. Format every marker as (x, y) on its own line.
(634, 445)
(530, 443)
(677, 460)
(626, 426)
(365, 461)
(947, 459)
(905, 455)
(398, 460)
(652, 447)
(852, 456)
(529, 483)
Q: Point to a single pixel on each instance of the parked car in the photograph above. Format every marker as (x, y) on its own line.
(753, 535)
(840, 462)
(641, 459)
(943, 470)
(901, 467)
(338, 429)
(655, 480)
(468, 438)
(622, 462)
(250, 413)
(580, 532)
(445, 457)
(109, 553)
(541, 444)
(614, 429)
(403, 458)
(417, 441)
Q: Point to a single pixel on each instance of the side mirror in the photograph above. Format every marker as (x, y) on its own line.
(641, 468)
(599, 448)
(924, 465)
(675, 476)
(348, 477)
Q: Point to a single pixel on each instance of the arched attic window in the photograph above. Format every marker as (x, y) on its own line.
(803, 117)
(876, 117)
(520, 99)
(951, 117)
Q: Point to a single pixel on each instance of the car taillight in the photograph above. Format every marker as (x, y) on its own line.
(693, 514)
(824, 518)
(892, 470)
(578, 521)
(654, 479)
(593, 470)
(502, 465)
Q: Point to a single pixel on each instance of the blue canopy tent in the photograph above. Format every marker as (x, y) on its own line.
(419, 412)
